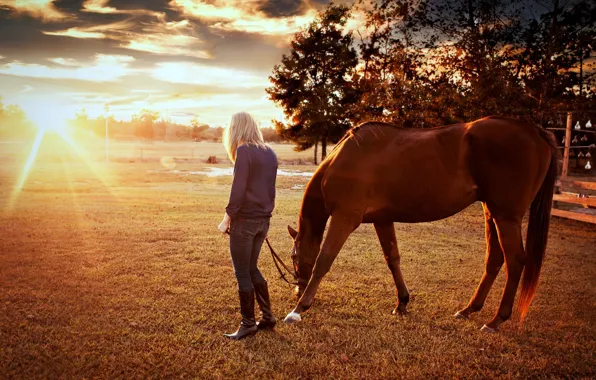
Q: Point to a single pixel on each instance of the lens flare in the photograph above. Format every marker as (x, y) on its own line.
(168, 162)
(59, 128)
(25, 173)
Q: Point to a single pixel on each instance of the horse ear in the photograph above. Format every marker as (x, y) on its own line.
(293, 232)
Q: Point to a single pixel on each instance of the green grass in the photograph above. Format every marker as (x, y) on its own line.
(132, 280)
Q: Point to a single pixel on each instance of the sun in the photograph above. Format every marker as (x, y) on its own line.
(50, 123)
(45, 123)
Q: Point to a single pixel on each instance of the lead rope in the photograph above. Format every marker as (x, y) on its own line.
(277, 260)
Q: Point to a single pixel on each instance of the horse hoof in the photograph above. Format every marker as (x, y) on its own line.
(293, 317)
(399, 311)
(489, 330)
(461, 316)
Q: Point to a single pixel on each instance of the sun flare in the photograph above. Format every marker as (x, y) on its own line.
(48, 125)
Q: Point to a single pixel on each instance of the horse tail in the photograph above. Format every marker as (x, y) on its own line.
(538, 224)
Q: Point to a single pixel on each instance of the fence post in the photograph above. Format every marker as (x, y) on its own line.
(567, 144)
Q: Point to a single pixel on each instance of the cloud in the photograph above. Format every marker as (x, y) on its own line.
(198, 74)
(65, 61)
(213, 109)
(284, 26)
(168, 38)
(161, 37)
(243, 16)
(26, 88)
(218, 10)
(41, 9)
(101, 6)
(107, 68)
(167, 45)
(280, 8)
(94, 31)
(76, 33)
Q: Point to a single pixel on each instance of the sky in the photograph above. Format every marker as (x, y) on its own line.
(209, 58)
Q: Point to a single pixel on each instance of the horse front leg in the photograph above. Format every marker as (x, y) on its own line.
(340, 228)
(388, 240)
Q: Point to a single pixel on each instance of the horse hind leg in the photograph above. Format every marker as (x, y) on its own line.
(388, 240)
(340, 228)
(494, 261)
(510, 237)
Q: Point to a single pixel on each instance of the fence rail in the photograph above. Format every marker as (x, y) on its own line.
(586, 213)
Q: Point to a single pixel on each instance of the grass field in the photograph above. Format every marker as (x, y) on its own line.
(118, 271)
(143, 151)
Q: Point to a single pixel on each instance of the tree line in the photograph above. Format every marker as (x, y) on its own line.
(14, 123)
(148, 125)
(424, 63)
(144, 125)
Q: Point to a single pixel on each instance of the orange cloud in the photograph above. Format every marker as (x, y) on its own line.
(259, 24)
(165, 38)
(76, 33)
(101, 6)
(242, 16)
(94, 32)
(217, 10)
(167, 44)
(42, 9)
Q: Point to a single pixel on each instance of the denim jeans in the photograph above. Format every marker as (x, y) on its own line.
(246, 238)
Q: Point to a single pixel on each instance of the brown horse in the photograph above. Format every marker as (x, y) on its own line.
(382, 174)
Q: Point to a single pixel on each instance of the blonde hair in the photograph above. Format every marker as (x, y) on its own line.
(242, 129)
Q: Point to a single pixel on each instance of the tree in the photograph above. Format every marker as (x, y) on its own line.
(554, 48)
(428, 62)
(270, 135)
(144, 123)
(82, 115)
(197, 130)
(393, 66)
(474, 41)
(81, 121)
(313, 83)
(14, 122)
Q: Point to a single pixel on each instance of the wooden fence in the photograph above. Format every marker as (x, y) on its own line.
(581, 148)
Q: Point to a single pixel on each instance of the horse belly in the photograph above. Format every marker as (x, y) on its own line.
(421, 202)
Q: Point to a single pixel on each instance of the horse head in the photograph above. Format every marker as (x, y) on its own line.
(302, 263)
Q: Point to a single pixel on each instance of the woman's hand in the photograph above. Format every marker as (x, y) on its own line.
(225, 224)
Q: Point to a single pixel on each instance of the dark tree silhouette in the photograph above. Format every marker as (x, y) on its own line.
(314, 82)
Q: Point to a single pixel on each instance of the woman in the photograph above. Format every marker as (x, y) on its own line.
(247, 217)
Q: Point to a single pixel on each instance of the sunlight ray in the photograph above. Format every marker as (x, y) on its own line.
(98, 170)
(25, 173)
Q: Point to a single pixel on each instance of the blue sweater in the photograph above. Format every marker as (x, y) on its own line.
(253, 187)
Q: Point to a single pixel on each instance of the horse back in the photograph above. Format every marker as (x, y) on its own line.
(405, 175)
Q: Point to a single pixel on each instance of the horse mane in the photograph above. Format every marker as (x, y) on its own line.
(352, 132)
